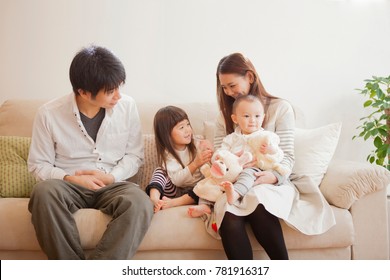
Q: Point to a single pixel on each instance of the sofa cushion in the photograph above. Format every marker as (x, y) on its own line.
(15, 180)
(314, 149)
(161, 234)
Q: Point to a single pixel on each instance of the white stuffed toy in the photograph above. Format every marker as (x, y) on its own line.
(226, 166)
(270, 160)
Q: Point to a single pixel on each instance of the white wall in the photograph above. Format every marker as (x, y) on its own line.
(313, 52)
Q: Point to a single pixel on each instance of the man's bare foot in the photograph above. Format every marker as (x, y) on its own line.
(198, 210)
(231, 195)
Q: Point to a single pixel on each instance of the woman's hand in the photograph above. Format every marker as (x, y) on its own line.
(265, 177)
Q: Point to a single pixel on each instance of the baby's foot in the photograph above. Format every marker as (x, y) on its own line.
(231, 194)
(198, 210)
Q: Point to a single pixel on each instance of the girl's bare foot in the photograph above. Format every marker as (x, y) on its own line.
(155, 198)
(198, 210)
(157, 205)
(169, 202)
(231, 194)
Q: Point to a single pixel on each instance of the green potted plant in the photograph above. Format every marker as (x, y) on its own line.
(376, 125)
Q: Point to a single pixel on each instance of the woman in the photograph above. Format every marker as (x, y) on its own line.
(276, 197)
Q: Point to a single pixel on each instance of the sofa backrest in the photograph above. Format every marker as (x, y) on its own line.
(17, 115)
(198, 113)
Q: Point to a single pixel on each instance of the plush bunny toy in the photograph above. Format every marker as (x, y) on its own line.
(274, 155)
(226, 166)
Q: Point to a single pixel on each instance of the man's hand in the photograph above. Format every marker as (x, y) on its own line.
(106, 178)
(86, 181)
(91, 179)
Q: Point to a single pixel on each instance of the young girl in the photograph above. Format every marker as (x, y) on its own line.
(179, 158)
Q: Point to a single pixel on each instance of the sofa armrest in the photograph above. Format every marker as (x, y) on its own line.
(345, 181)
(369, 215)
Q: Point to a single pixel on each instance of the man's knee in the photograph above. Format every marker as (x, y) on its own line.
(136, 199)
(45, 189)
(42, 193)
(142, 200)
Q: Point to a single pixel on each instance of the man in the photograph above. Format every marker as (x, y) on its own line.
(84, 146)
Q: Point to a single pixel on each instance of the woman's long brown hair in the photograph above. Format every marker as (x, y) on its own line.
(236, 63)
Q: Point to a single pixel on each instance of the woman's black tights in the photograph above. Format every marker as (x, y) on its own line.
(266, 228)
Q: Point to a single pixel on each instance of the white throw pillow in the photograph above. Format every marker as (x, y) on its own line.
(314, 149)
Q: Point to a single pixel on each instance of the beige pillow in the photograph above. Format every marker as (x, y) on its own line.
(314, 149)
(15, 180)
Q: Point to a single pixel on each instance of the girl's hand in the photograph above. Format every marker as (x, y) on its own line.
(203, 157)
(205, 145)
(265, 177)
(204, 153)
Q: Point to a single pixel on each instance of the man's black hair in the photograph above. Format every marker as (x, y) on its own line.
(95, 68)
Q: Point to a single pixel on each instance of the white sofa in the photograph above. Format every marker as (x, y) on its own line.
(356, 191)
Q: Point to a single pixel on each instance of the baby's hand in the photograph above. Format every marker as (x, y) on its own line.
(226, 184)
(264, 148)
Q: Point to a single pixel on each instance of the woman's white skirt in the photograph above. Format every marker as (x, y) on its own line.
(299, 203)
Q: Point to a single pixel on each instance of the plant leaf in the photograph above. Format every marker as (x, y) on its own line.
(367, 103)
(378, 142)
